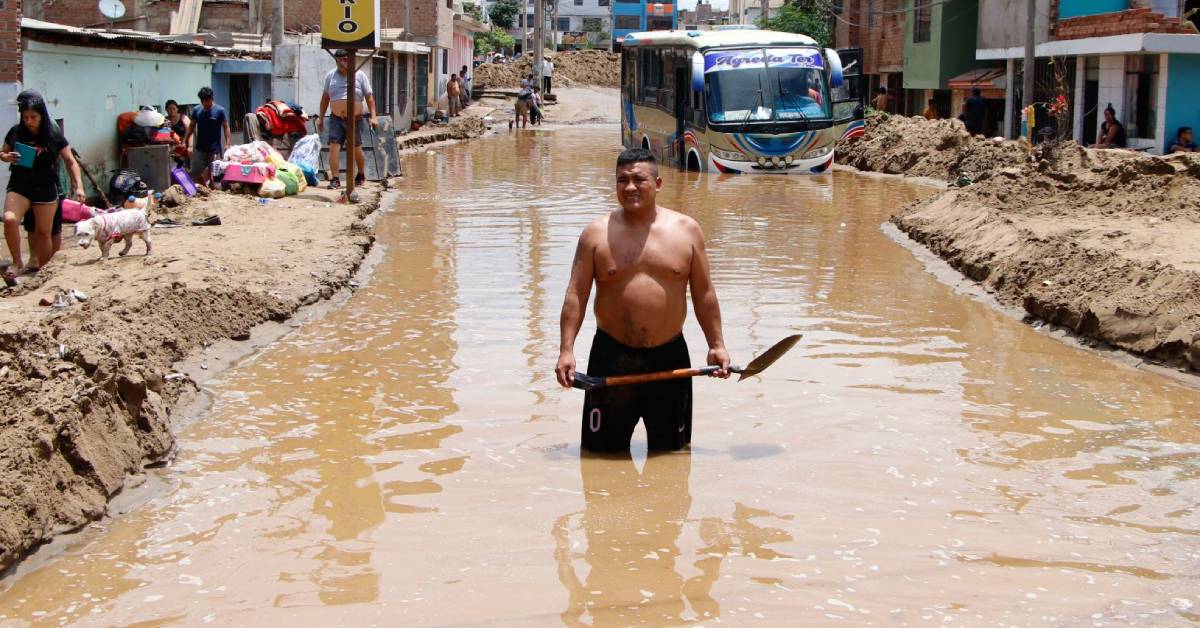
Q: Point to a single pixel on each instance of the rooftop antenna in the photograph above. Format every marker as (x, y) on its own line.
(113, 10)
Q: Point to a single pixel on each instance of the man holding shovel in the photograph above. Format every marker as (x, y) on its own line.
(642, 259)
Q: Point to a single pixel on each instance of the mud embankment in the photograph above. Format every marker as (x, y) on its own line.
(1100, 242)
(87, 392)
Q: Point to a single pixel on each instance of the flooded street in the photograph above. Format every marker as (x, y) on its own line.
(409, 460)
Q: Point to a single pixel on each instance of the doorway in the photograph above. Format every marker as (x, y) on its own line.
(239, 101)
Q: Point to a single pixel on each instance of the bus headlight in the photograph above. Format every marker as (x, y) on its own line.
(729, 155)
(818, 152)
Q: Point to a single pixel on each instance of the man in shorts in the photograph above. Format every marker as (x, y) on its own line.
(334, 99)
(642, 258)
(210, 125)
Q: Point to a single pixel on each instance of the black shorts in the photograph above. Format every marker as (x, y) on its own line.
(611, 414)
(37, 193)
(30, 221)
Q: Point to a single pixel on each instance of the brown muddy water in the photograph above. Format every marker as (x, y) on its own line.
(408, 459)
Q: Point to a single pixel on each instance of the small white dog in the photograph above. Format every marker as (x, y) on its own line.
(108, 228)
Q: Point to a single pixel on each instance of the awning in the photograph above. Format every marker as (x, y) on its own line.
(981, 78)
(410, 47)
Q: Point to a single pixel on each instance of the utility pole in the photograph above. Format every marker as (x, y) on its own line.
(1028, 66)
(277, 25)
(539, 39)
(766, 11)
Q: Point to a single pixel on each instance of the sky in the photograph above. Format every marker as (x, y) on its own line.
(691, 4)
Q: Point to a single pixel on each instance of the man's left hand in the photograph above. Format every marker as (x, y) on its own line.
(718, 356)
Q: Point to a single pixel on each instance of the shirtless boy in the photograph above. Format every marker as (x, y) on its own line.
(642, 258)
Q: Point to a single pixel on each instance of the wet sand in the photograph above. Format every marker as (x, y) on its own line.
(920, 457)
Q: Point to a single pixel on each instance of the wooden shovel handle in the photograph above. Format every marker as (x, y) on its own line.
(622, 380)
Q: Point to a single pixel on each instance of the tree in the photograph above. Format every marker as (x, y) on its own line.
(806, 17)
(504, 13)
(473, 10)
(494, 39)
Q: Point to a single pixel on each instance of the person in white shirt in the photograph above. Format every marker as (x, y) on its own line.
(547, 72)
(364, 108)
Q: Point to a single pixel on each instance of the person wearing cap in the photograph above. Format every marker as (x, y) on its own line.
(334, 100)
(210, 124)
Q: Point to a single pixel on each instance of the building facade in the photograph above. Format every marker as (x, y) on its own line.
(703, 17)
(1143, 61)
(878, 27)
(582, 23)
(940, 65)
(631, 16)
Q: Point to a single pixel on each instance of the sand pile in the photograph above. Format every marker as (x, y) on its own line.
(940, 149)
(1099, 242)
(466, 127)
(575, 67)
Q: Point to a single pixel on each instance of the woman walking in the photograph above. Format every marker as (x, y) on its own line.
(33, 147)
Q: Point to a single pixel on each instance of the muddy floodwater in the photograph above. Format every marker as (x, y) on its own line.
(408, 459)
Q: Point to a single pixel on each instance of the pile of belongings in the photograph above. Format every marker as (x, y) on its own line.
(145, 126)
(277, 119)
(258, 163)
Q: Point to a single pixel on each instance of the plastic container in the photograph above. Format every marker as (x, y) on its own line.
(28, 153)
(74, 211)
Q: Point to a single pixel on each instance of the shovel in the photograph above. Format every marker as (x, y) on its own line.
(583, 381)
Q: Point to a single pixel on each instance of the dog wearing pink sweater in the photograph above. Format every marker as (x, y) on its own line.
(108, 228)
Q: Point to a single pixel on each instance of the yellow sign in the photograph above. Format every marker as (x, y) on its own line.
(349, 24)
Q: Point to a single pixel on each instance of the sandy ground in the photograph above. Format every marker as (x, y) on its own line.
(575, 105)
(1100, 242)
(86, 392)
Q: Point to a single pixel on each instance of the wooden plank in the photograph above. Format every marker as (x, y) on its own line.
(187, 19)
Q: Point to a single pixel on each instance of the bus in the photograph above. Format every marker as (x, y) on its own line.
(736, 100)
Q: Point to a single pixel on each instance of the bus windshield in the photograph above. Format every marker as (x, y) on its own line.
(764, 85)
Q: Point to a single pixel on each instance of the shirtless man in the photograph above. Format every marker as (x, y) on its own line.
(364, 108)
(643, 258)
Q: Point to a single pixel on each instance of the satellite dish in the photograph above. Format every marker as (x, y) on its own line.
(112, 9)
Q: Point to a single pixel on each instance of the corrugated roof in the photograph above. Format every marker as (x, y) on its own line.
(114, 36)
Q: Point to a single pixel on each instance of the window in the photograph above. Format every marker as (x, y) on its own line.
(1141, 96)
(564, 24)
(382, 84)
(592, 25)
(627, 22)
(445, 60)
(602, 3)
(578, 3)
(922, 16)
(870, 13)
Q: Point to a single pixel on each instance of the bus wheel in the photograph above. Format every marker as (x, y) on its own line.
(693, 162)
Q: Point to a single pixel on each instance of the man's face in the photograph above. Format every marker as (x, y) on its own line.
(1186, 137)
(343, 64)
(207, 103)
(637, 186)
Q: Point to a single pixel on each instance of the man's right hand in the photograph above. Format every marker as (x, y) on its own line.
(320, 123)
(565, 371)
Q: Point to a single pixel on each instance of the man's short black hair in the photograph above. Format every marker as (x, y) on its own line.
(881, 90)
(637, 156)
(1182, 130)
(205, 93)
(976, 92)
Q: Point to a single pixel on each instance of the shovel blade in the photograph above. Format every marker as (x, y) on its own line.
(769, 357)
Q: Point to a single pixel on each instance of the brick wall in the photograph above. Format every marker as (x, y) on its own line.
(305, 16)
(10, 41)
(1141, 20)
(881, 38)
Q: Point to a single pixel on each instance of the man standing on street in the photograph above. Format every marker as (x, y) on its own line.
(642, 258)
(210, 125)
(547, 72)
(364, 109)
(976, 107)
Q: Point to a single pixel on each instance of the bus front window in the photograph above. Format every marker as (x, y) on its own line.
(800, 93)
(739, 96)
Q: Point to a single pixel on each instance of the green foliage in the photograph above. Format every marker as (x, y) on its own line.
(495, 39)
(504, 13)
(807, 17)
(473, 10)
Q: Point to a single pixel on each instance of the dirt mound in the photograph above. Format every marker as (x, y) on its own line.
(466, 127)
(1099, 242)
(575, 67)
(940, 149)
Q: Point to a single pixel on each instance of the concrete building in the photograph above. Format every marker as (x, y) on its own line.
(10, 69)
(1144, 61)
(750, 11)
(631, 16)
(703, 17)
(89, 77)
(939, 60)
(578, 23)
(878, 27)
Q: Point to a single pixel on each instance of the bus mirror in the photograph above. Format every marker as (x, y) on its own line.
(697, 72)
(835, 68)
